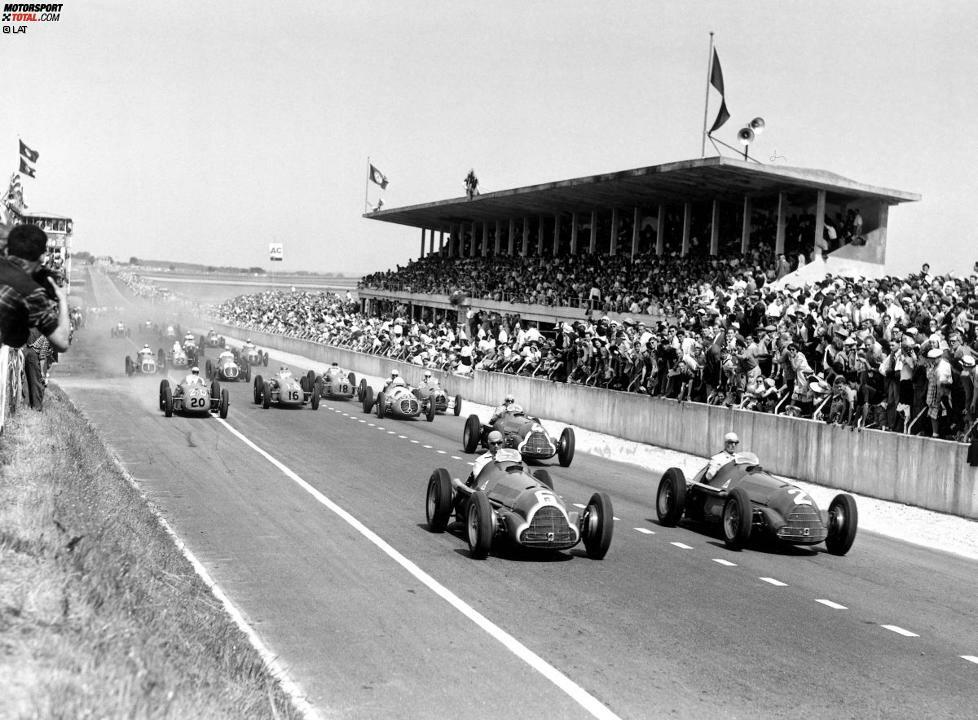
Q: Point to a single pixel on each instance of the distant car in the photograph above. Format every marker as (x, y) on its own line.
(251, 355)
(226, 367)
(283, 390)
(213, 340)
(120, 330)
(521, 432)
(177, 358)
(193, 351)
(507, 501)
(439, 398)
(170, 333)
(146, 364)
(397, 401)
(335, 383)
(748, 501)
(193, 399)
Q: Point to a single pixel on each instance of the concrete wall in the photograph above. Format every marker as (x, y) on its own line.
(928, 473)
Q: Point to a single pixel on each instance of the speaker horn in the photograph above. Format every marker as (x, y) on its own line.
(745, 135)
(757, 125)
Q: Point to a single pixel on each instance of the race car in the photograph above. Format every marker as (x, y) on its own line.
(119, 330)
(213, 340)
(284, 390)
(146, 363)
(335, 383)
(747, 501)
(177, 357)
(431, 389)
(193, 399)
(170, 333)
(226, 368)
(147, 328)
(192, 350)
(397, 401)
(251, 355)
(521, 432)
(507, 501)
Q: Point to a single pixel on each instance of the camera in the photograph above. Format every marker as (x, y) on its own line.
(41, 276)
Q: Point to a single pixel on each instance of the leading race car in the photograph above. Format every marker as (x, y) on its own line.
(192, 398)
(250, 355)
(748, 501)
(146, 363)
(284, 390)
(226, 367)
(507, 501)
(397, 401)
(119, 330)
(521, 432)
(335, 383)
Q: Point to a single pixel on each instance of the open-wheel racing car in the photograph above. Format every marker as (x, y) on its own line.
(250, 355)
(177, 357)
(507, 501)
(213, 340)
(146, 363)
(120, 330)
(748, 501)
(284, 390)
(226, 368)
(521, 432)
(193, 399)
(397, 401)
(335, 383)
(431, 391)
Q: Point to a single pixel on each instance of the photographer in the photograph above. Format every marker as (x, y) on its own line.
(30, 295)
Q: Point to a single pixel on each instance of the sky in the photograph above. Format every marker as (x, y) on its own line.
(202, 132)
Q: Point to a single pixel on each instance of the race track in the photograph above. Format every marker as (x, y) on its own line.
(325, 552)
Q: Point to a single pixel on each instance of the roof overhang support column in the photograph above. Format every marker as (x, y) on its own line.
(819, 222)
(526, 236)
(540, 237)
(715, 229)
(422, 244)
(556, 234)
(779, 235)
(499, 238)
(474, 242)
(431, 241)
(485, 239)
(592, 248)
(660, 231)
(441, 242)
(573, 248)
(510, 236)
(613, 245)
(687, 228)
(745, 227)
(635, 226)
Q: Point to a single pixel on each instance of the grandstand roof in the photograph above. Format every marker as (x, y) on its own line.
(727, 179)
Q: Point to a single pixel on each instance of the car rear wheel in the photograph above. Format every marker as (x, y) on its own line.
(438, 506)
(317, 392)
(458, 405)
(264, 359)
(381, 404)
(225, 402)
(129, 366)
(215, 392)
(479, 525)
(353, 380)
(471, 434)
(598, 525)
(304, 384)
(167, 401)
(266, 395)
(161, 359)
(362, 391)
(737, 518)
(310, 379)
(366, 396)
(565, 447)
(429, 414)
(209, 369)
(164, 386)
(843, 521)
(543, 475)
(257, 389)
(247, 372)
(670, 500)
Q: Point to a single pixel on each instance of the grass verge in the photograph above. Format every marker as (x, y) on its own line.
(101, 616)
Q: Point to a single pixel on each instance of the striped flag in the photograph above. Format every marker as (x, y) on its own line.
(716, 80)
(377, 177)
(30, 155)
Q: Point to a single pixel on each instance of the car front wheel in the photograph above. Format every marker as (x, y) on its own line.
(438, 507)
(598, 525)
(737, 518)
(670, 500)
(843, 521)
(479, 525)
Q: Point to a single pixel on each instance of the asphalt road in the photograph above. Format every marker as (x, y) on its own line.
(326, 554)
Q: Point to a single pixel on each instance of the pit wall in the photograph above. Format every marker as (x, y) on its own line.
(932, 474)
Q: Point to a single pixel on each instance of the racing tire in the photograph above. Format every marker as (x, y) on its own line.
(565, 447)
(367, 397)
(215, 392)
(429, 414)
(478, 525)
(247, 373)
(225, 402)
(361, 390)
(843, 523)
(438, 502)
(264, 359)
(310, 379)
(598, 525)
(266, 395)
(352, 379)
(129, 366)
(471, 434)
(167, 401)
(222, 342)
(381, 404)
(161, 360)
(737, 518)
(458, 405)
(304, 384)
(543, 475)
(164, 386)
(209, 369)
(202, 343)
(257, 388)
(670, 499)
(317, 392)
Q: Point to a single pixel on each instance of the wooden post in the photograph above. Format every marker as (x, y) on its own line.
(819, 221)
(613, 245)
(526, 236)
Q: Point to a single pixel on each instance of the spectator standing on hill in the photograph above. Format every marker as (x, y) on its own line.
(28, 296)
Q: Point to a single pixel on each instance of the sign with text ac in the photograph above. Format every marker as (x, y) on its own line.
(275, 252)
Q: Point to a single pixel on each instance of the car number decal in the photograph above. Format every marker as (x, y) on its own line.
(800, 497)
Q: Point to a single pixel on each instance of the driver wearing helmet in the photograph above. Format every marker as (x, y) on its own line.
(428, 381)
(495, 442)
(730, 444)
(395, 379)
(145, 352)
(248, 345)
(509, 405)
(194, 377)
(284, 372)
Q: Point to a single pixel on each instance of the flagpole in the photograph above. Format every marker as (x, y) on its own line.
(706, 101)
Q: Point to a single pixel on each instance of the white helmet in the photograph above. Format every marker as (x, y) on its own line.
(394, 373)
(146, 347)
(510, 398)
(427, 374)
(731, 437)
(195, 370)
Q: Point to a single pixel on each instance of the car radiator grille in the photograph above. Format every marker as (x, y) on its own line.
(803, 525)
(537, 444)
(410, 406)
(548, 529)
(231, 372)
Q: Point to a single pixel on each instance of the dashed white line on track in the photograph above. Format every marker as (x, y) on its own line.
(682, 546)
(363, 421)
(456, 457)
(403, 437)
(645, 531)
(829, 603)
(426, 447)
(414, 441)
(391, 432)
(899, 630)
(442, 452)
(725, 563)
(970, 658)
(772, 581)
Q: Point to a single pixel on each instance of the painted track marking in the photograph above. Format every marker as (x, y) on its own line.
(682, 546)
(970, 658)
(829, 603)
(725, 563)
(555, 676)
(772, 581)
(899, 630)
(645, 531)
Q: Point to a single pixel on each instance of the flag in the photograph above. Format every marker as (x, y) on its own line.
(28, 170)
(30, 155)
(377, 177)
(716, 80)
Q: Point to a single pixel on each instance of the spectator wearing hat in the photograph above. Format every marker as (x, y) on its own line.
(801, 396)
(939, 381)
(968, 380)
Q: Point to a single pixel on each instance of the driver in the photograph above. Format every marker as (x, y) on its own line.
(188, 339)
(194, 377)
(248, 345)
(226, 355)
(509, 405)
(177, 349)
(729, 452)
(284, 372)
(495, 442)
(395, 379)
(145, 352)
(428, 380)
